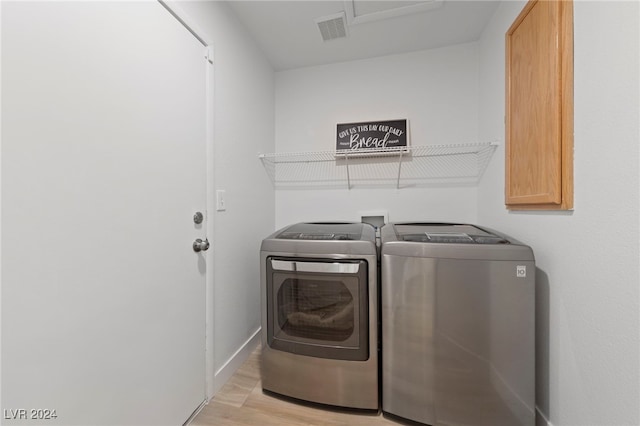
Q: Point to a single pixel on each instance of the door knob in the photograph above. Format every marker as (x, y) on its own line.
(199, 245)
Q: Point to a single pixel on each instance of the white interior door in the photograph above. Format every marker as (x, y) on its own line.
(103, 168)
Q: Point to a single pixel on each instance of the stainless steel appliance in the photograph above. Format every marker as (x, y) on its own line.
(457, 325)
(320, 314)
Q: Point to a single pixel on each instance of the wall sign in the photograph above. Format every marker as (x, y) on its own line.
(371, 135)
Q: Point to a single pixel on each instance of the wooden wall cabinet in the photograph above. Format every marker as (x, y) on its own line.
(539, 107)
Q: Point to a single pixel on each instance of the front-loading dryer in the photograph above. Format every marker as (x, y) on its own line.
(320, 314)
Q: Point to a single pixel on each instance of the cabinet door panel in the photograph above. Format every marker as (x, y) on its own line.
(538, 93)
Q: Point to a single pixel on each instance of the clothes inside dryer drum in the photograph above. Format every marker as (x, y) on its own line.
(325, 308)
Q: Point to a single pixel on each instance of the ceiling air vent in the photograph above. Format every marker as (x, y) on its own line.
(332, 27)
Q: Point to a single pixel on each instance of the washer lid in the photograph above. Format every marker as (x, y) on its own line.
(449, 233)
(322, 231)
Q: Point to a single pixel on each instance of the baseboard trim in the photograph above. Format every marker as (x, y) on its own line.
(195, 413)
(224, 373)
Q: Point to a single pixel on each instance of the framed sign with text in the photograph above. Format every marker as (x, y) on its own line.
(379, 135)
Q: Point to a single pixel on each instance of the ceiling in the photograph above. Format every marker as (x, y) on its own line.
(290, 38)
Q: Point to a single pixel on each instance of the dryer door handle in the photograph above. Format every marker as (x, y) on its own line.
(317, 267)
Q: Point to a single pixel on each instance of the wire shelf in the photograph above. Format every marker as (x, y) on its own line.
(401, 167)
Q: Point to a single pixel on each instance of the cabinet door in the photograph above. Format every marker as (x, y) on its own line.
(539, 107)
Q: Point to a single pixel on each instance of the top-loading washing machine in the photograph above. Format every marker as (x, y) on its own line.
(458, 344)
(320, 314)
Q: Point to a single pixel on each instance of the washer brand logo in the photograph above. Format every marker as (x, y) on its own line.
(521, 271)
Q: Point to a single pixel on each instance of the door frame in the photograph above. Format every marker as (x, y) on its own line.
(174, 8)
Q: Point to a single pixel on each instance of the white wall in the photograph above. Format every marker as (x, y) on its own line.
(587, 285)
(436, 90)
(244, 127)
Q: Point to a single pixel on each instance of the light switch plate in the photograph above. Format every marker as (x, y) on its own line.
(221, 203)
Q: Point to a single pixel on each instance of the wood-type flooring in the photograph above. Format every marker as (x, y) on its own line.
(241, 402)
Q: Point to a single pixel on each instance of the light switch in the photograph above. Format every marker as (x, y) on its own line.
(221, 203)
